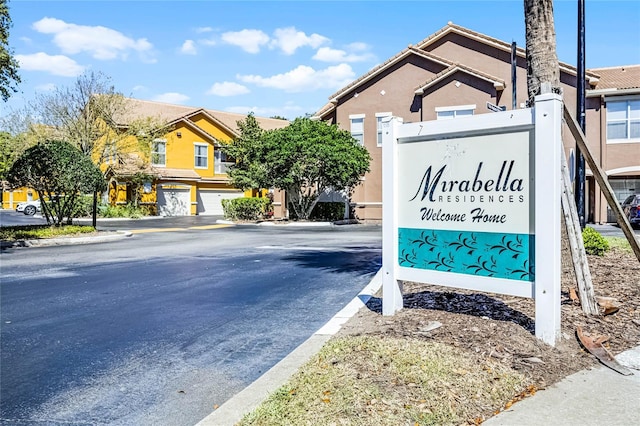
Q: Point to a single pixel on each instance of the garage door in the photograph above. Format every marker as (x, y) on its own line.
(210, 202)
(174, 201)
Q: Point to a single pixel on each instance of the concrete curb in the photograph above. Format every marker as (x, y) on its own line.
(232, 411)
(89, 221)
(290, 224)
(65, 241)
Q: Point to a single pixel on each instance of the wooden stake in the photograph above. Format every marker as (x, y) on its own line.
(576, 244)
(623, 221)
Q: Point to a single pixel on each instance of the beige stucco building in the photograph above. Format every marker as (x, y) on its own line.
(456, 72)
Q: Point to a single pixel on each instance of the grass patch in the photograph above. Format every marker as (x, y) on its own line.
(619, 243)
(36, 232)
(369, 380)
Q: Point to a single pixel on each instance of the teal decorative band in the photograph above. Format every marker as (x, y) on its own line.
(486, 254)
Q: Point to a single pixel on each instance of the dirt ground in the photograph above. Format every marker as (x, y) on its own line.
(502, 327)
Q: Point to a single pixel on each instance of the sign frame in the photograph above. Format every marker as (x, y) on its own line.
(544, 121)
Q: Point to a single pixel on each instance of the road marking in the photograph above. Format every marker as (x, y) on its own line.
(211, 226)
(146, 231)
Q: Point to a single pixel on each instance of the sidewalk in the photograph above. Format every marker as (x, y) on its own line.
(591, 397)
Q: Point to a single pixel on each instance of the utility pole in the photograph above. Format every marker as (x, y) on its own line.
(580, 113)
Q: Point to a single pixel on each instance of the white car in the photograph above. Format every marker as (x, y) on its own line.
(29, 207)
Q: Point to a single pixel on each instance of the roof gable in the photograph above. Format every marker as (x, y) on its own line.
(498, 83)
(420, 50)
(409, 51)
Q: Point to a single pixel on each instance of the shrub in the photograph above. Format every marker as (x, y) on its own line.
(129, 210)
(84, 206)
(594, 243)
(249, 208)
(328, 211)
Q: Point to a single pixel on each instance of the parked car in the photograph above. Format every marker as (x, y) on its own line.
(29, 207)
(631, 208)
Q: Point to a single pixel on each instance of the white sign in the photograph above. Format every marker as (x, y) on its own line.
(474, 203)
(478, 183)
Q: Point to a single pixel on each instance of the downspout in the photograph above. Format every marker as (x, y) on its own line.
(514, 67)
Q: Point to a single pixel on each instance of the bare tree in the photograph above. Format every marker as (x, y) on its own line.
(542, 59)
(95, 118)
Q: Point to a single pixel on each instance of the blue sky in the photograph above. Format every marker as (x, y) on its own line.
(273, 58)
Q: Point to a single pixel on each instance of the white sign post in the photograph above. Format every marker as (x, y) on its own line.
(474, 203)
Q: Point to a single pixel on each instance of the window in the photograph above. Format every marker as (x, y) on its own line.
(159, 152)
(447, 113)
(357, 127)
(623, 121)
(379, 117)
(201, 151)
(221, 162)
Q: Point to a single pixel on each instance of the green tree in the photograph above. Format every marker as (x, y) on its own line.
(9, 77)
(10, 149)
(60, 174)
(304, 159)
(247, 150)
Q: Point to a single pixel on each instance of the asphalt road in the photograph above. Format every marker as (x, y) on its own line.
(162, 327)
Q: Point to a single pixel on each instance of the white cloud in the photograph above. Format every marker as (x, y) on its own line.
(289, 110)
(49, 87)
(327, 54)
(248, 40)
(227, 88)
(289, 40)
(358, 46)
(201, 30)
(139, 88)
(189, 48)
(100, 42)
(53, 64)
(208, 42)
(171, 98)
(304, 78)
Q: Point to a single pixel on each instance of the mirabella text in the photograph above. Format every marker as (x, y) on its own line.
(502, 189)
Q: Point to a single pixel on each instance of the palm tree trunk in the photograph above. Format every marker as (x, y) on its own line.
(542, 59)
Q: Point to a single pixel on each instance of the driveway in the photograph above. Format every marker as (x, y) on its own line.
(164, 326)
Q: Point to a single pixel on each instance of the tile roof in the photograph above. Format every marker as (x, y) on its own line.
(137, 108)
(166, 173)
(621, 77)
